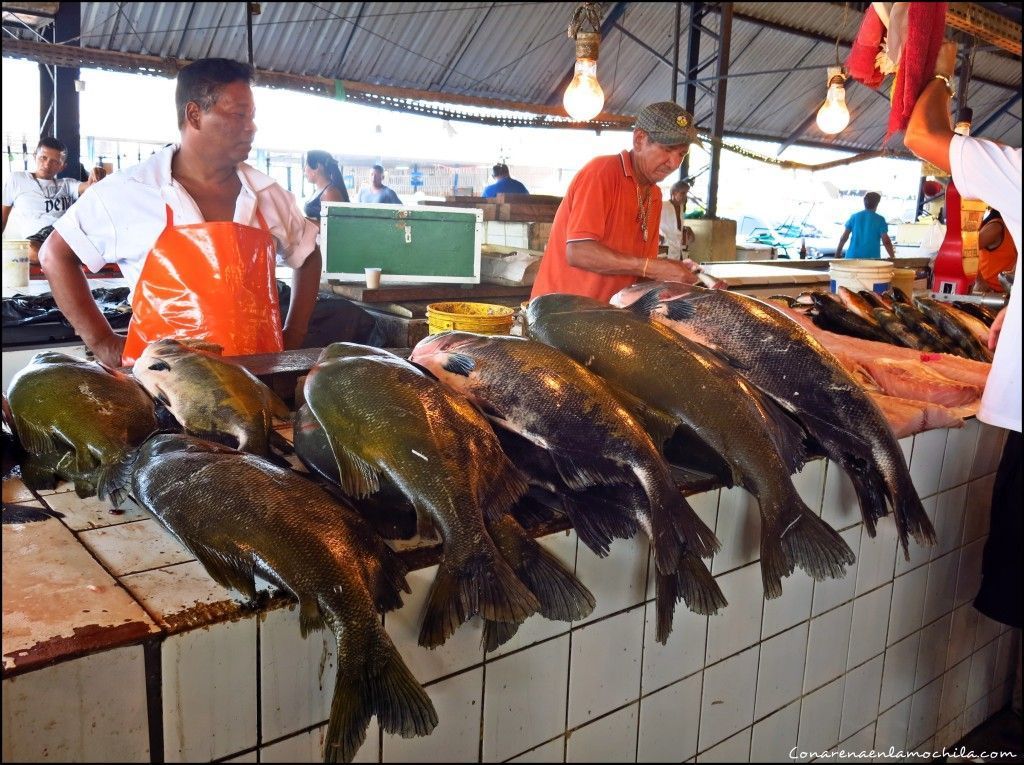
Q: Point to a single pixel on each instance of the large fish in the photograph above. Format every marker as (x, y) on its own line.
(210, 396)
(979, 312)
(786, 362)
(929, 335)
(706, 397)
(891, 323)
(385, 419)
(242, 516)
(561, 595)
(561, 407)
(76, 419)
(857, 304)
(969, 334)
(832, 315)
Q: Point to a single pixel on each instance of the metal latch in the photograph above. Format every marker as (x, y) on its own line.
(408, 234)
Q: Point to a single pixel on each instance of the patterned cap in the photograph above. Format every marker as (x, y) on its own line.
(668, 123)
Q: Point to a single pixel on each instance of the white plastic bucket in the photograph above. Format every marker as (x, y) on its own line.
(15, 264)
(859, 274)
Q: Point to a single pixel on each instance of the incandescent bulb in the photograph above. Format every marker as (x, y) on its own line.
(833, 115)
(584, 98)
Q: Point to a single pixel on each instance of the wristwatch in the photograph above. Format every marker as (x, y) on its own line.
(949, 85)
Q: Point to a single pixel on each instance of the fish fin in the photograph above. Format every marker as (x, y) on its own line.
(561, 595)
(691, 583)
(225, 569)
(503, 491)
(795, 445)
(660, 425)
(482, 583)
(693, 531)
(814, 546)
(115, 478)
(459, 364)
(279, 442)
(579, 476)
(357, 477)
(385, 571)
(35, 439)
(679, 310)
(311, 618)
(911, 518)
(496, 634)
(426, 372)
(530, 511)
(373, 680)
(646, 303)
(666, 595)
(598, 523)
(38, 474)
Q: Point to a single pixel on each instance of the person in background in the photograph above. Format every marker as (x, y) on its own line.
(996, 252)
(503, 184)
(605, 233)
(677, 236)
(195, 231)
(991, 172)
(865, 229)
(377, 191)
(323, 172)
(34, 200)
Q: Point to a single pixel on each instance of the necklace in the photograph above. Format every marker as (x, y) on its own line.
(643, 205)
(46, 194)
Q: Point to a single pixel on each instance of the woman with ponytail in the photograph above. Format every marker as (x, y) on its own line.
(323, 172)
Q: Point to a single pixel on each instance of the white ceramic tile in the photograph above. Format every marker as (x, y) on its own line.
(899, 670)
(1008, 648)
(893, 728)
(857, 746)
(988, 630)
(727, 705)
(209, 691)
(949, 520)
(553, 751)
(998, 699)
(563, 546)
(839, 507)
(780, 670)
(983, 669)
(989, 450)
(738, 529)
(860, 698)
(820, 715)
(682, 654)
(775, 736)
(926, 464)
(736, 748)
(869, 625)
(877, 559)
(976, 715)
(931, 659)
(525, 699)
(738, 626)
(908, 593)
(954, 693)
(456, 738)
(610, 739)
(969, 577)
(829, 593)
(961, 635)
(669, 722)
(907, 447)
(924, 711)
(309, 747)
(92, 512)
(828, 645)
(131, 547)
(618, 581)
(460, 651)
(941, 590)
(959, 455)
(793, 607)
(84, 710)
(810, 484)
(977, 512)
(615, 645)
(16, 492)
(919, 555)
(296, 674)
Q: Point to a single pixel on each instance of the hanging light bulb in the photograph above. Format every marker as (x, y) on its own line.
(584, 98)
(833, 115)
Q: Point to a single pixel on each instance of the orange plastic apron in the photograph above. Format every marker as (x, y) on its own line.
(208, 281)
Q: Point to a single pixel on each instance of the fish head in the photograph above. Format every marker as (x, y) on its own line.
(168, 443)
(452, 357)
(154, 368)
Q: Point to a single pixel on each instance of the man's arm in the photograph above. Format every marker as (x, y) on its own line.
(7, 211)
(591, 255)
(929, 131)
(305, 285)
(71, 293)
(97, 174)
(887, 242)
(842, 242)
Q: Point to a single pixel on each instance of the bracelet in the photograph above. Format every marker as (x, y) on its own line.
(643, 274)
(949, 85)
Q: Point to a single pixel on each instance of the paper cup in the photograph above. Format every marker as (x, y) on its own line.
(373, 278)
(15, 262)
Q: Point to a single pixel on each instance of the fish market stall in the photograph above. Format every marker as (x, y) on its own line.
(118, 644)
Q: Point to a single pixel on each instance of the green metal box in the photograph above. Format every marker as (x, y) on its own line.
(408, 243)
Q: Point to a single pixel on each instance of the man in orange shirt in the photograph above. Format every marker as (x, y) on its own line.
(605, 234)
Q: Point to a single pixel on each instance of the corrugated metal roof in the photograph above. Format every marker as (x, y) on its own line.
(520, 52)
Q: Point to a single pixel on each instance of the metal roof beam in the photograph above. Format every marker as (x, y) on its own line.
(555, 97)
(664, 60)
(996, 114)
(802, 128)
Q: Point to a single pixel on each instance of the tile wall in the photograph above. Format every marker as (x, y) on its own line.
(893, 655)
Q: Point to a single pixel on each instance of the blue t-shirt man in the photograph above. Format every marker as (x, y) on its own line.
(866, 229)
(377, 191)
(503, 183)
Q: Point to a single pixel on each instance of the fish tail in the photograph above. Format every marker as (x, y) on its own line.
(481, 583)
(373, 680)
(691, 530)
(911, 517)
(693, 584)
(813, 545)
(496, 634)
(114, 478)
(872, 492)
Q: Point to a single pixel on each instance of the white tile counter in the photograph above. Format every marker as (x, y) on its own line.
(894, 655)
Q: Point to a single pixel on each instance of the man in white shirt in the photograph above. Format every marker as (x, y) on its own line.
(198, 227)
(990, 172)
(34, 200)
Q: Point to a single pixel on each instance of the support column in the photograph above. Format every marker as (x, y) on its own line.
(718, 126)
(58, 99)
(692, 62)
